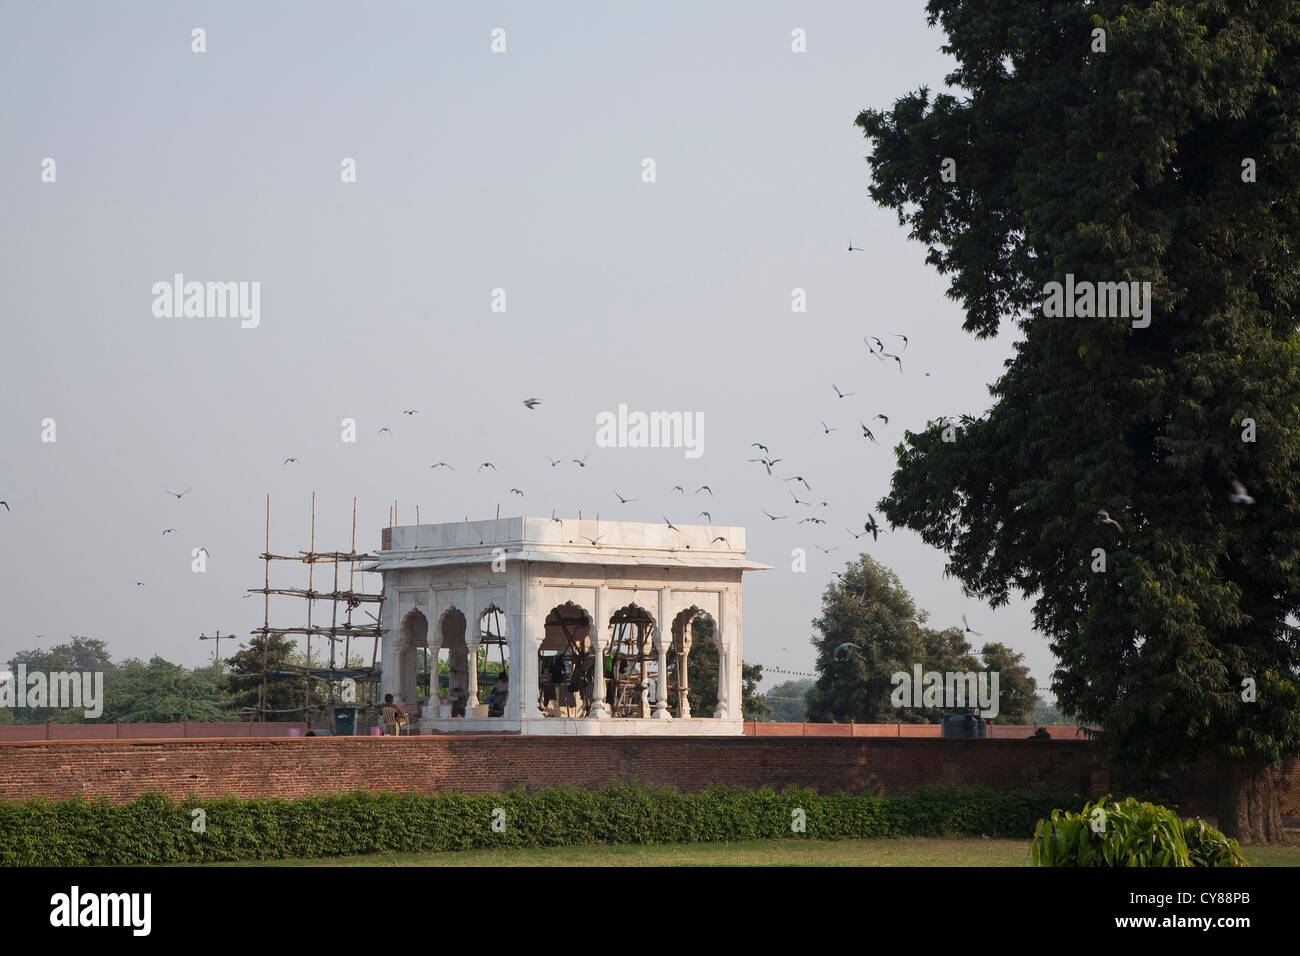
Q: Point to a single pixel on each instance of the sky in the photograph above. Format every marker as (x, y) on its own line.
(522, 170)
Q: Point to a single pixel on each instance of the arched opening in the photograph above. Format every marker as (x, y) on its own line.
(700, 660)
(631, 665)
(412, 650)
(566, 664)
(453, 664)
(493, 660)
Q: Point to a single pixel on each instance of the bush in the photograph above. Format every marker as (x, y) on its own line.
(156, 829)
(1131, 833)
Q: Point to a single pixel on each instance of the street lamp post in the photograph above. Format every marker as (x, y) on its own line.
(216, 661)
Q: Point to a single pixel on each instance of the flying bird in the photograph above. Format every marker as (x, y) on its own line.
(139, 584)
(900, 363)
(1107, 519)
(828, 430)
(1239, 495)
(826, 550)
(6, 504)
(704, 488)
(760, 446)
(852, 247)
(409, 411)
(839, 393)
(768, 462)
(969, 629)
(166, 531)
(671, 525)
(486, 464)
(286, 461)
(799, 478)
(592, 540)
(720, 538)
(775, 517)
(553, 461)
(581, 462)
(797, 500)
(385, 429)
(179, 495)
(531, 402)
(516, 491)
(704, 514)
(866, 432)
(621, 499)
(854, 533)
(884, 418)
(441, 464)
(879, 344)
(678, 488)
(904, 338)
(845, 648)
(872, 527)
(812, 520)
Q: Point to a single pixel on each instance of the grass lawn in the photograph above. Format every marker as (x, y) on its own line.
(915, 851)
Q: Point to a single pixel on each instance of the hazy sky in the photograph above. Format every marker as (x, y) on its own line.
(476, 171)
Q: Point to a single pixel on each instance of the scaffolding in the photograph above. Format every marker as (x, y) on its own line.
(341, 627)
(633, 663)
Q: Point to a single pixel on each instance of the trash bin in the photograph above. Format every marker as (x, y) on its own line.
(345, 721)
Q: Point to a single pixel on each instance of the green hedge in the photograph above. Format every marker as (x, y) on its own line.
(156, 829)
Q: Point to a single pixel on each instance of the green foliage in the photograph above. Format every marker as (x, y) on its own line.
(702, 675)
(1138, 177)
(789, 700)
(161, 691)
(1130, 833)
(77, 654)
(155, 829)
(243, 680)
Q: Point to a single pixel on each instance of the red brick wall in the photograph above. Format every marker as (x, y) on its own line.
(294, 767)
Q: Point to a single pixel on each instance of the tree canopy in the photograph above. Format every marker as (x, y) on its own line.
(1103, 142)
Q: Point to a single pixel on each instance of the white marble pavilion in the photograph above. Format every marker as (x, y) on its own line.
(594, 620)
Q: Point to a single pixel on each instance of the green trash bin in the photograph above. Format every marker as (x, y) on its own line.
(345, 721)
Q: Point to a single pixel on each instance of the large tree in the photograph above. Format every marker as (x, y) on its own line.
(1122, 143)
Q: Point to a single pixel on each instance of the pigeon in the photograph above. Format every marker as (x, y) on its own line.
(768, 462)
(181, 494)
(139, 584)
(799, 478)
(516, 491)
(900, 363)
(760, 446)
(531, 403)
(705, 515)
(1107, 519)
(621, 499)
(813, 520)
(872, 527)
(839, 393)
(720, 538)
(852, 247)
(826, 550)
(866, 432)
(678, 488)
(166, 531)
(854, 533)
(671, 525)
(879, 344)
(385, 429)
(884, 418)
(6, 504)
(828, 430)
(969, 629)
(592, 540)
(1239, 495)
(286, 461)
(704, 488)
(845, 647)
(904, 338)
(486, 464)
(409, 411)
(776, 517)
(203, 549)
(441, 464)
(553, 461)
(581, 462)
(797, 499)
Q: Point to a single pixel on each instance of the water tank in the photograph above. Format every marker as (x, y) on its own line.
(964, 725)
